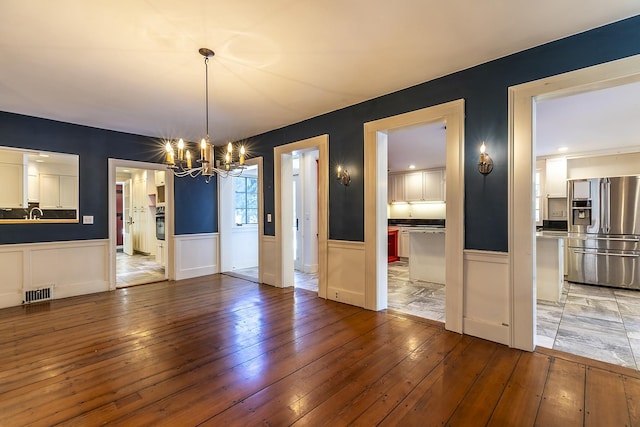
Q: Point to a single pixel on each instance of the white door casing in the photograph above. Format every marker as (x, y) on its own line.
(283, 210)
(127, 213)
(522, 100)
(375, 216)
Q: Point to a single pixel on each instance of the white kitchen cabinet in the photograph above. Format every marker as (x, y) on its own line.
(432, 186)
(556, 177)
(12, 195)
(395, 188)
(33, 188)
(58, 192)
(403, 242)
(413, 187)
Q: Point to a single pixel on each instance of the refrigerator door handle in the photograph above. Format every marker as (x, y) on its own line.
(617, 239)
(607, 254)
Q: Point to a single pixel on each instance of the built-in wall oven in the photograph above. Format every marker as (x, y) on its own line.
(160, 222)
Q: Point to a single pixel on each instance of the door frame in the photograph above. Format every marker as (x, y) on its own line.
(521, 225)
(225, 235)
(119, 163)
(283, 217)
(375, 197)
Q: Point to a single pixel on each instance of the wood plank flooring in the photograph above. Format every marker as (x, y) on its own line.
(224, 351)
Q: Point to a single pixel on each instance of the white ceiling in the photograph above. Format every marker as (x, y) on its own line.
(134, 66)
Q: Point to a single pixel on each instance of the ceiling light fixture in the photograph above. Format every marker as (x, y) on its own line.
(563, 149)
(412, 166)
(182, 165)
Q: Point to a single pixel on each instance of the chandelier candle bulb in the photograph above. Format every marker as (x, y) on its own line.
(181, 150)
(203, 150)
(242, 155)
(339, 175)
(188, 159)
(170, 157)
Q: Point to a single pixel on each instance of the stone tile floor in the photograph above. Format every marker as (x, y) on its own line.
(414, 297)
(137, 269)
(308, 281)
(593, 321)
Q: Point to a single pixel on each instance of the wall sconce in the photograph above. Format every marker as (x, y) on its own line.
(485, 164)
(343, 176)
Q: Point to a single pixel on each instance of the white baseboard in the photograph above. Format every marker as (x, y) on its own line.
(346, 272)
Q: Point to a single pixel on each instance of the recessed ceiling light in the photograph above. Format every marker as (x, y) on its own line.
(39, 161)
(563, 149)
(126, 170)
(43, 155)
(412, 166)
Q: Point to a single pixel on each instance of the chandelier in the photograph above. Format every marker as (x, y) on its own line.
(207, 165)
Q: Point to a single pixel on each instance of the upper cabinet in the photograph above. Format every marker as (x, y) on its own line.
(556, 177)
(12, 194)
(395, 188)
(420, 186)
(58, 192)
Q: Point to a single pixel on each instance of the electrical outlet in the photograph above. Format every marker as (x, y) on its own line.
(337, 296)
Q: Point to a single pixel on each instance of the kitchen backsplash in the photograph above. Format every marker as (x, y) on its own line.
(417, 210)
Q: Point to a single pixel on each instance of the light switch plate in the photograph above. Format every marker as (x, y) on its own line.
(268, 217)
(87, 219)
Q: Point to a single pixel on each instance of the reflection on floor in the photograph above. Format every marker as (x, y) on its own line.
(593, 321)
(414, 297)
(137, 269)
(308, 281)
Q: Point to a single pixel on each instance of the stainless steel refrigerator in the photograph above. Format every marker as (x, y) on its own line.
(604, 231)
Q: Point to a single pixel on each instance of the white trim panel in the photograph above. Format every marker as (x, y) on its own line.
(72, 268)
(196, 255)
(486, 290)
(269, 261)
(346, 264)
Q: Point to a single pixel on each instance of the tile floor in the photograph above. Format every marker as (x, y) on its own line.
(308, 281)
(593, 321)
(137, 269)
(414, 297)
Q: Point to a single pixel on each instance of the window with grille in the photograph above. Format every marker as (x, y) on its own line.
(246, 209)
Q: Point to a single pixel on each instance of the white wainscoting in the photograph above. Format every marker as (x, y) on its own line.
(71, 268)
(346, 272)
(196, 255)
(269, 261)
(486, 295)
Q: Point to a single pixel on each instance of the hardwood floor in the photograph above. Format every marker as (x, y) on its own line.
(224, 351)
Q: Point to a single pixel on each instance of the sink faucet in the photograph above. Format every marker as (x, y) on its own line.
(32, 216)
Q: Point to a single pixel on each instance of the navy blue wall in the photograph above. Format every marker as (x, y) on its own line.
(484, 89)
(195, 201)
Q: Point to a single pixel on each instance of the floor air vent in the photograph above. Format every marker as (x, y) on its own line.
(36, 295)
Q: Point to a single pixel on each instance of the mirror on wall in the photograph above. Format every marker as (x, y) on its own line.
(38, 186)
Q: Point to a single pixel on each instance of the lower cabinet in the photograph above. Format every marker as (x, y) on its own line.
(403, 243)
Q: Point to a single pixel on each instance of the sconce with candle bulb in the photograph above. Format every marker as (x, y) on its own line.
(343, 176)
(485, 163)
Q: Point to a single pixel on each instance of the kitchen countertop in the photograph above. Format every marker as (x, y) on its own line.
(556, 234)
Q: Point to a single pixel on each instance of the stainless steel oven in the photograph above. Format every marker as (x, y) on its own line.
(160, 222)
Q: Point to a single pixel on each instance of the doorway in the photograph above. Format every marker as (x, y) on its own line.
(376, 223)
(312, 157)
(304, 191)
(241, 212)
(416, 216)
(522, 102)
(139, 243)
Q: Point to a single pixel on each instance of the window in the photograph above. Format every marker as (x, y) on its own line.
(246, 189)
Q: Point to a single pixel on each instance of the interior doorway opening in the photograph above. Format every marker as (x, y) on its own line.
(416, 216)
(139, 204)
(284, 215)
(304, 192)
(240, 226)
